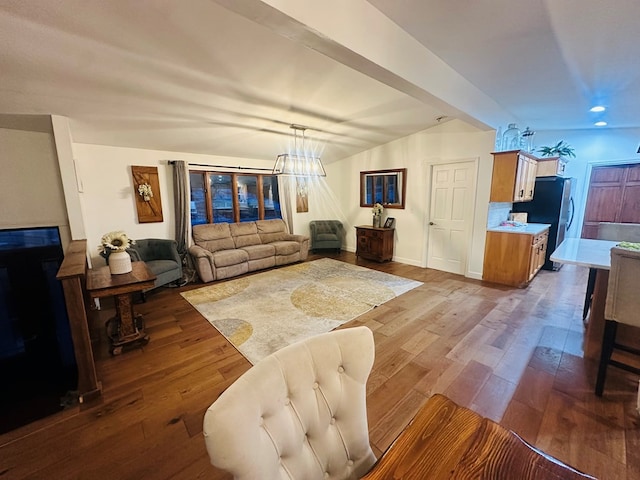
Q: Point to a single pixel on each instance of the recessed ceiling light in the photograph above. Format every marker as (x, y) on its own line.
(597, 108)
(601, 123)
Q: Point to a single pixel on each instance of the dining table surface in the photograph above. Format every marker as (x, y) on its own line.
(585, 252)
(446, 441)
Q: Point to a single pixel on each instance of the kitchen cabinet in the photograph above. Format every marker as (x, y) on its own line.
(374, 243)
(512, 258)
(551, 167)
(514, 176)
(538, 253)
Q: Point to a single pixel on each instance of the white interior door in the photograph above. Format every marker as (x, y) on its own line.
(451, 216)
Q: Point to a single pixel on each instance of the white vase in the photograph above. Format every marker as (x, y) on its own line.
(119, 262)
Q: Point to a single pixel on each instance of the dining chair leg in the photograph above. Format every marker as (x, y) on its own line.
(608, 340)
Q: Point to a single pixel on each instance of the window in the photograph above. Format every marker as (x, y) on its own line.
(386, 187)
(218, 197)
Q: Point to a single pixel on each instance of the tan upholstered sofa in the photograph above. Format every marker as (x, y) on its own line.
(224, 250)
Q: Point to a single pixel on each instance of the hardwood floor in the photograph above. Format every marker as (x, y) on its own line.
(513, 355)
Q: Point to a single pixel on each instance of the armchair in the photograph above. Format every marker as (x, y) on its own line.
(326, 234)
(160, 255)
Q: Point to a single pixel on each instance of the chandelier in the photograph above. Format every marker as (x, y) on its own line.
(299, 162)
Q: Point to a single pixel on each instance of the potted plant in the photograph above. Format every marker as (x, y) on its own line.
(560, 149)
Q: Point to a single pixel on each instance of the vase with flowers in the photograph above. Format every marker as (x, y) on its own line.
(113, 246)
(377, 214)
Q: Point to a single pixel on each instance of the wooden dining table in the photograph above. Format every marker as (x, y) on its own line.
(446, 441)
(596, 255)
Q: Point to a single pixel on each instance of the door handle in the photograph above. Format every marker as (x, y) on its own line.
(431, 223)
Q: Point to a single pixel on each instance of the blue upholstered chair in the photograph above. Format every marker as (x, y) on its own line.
(160, 255)
(326, 234)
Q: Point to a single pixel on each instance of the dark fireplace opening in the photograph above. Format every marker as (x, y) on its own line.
(37, 363)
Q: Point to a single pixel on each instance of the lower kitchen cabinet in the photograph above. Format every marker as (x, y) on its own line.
(514, 258)
(374, 243)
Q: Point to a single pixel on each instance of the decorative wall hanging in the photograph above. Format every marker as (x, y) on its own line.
(302, 195)
(147, 194)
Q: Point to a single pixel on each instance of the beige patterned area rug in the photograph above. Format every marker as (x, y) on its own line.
(264, 312)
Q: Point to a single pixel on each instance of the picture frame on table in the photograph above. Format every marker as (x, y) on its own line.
(390, 222)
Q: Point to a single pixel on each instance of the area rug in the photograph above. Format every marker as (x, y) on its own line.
(264, 312)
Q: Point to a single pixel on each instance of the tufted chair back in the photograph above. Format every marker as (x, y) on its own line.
(299, 413)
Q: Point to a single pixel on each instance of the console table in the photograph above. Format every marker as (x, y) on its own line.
(127, 327)
(374, 243)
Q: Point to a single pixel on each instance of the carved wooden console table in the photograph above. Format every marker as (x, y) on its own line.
(127, 327)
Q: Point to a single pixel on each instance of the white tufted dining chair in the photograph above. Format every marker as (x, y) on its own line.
(299, 413)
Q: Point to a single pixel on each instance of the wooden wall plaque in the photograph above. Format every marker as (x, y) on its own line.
(150, 210)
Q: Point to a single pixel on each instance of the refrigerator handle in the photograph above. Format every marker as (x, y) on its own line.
(573, 211)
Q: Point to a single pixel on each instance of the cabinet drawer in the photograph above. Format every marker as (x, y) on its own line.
(541, 237)
(369, 233)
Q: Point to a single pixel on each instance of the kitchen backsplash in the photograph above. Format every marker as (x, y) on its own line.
(498, 212)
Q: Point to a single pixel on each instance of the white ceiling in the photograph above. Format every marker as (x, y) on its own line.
(227, 77)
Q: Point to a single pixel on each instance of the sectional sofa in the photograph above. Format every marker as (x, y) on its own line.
(223, 250)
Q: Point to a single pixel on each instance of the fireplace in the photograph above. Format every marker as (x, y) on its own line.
(37, 362)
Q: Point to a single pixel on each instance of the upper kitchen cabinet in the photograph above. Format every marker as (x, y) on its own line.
(514, 176)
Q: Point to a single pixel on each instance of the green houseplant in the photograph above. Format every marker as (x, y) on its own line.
(560, 149)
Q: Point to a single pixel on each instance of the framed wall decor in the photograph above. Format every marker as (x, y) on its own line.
(146, 188)
(390, 222)
(387, 187)
(302, 195)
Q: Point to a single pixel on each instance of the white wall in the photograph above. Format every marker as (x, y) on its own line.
(447, 143)
(108, 195)
(31, 192)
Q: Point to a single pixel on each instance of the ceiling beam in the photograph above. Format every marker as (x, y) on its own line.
(357, 35)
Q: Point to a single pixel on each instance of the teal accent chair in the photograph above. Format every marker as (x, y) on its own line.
(326, 234)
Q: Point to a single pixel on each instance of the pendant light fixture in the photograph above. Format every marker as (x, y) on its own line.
(299, 162)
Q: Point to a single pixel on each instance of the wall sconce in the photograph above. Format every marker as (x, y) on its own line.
(144, 190)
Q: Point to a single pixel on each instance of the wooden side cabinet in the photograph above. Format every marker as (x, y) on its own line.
(374, 243)
(514, 258)
(514, 176)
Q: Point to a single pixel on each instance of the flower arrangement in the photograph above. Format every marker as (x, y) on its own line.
(377, 209)
(144, 189)
(115, 242)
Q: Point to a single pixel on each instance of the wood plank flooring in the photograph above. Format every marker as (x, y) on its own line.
(513, 355)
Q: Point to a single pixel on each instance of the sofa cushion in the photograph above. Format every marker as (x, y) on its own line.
(260, 251)
(213, 237)
(225, 258)
(244, 234)
(326, 237)
(286, 247)
(272, 230)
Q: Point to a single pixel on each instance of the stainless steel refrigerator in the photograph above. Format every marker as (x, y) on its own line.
(552, 203)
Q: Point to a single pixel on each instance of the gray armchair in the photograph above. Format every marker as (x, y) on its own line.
(326, 234)
(160, 255)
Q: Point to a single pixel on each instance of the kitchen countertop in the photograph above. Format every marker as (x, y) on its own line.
(585, 252)
(529, 228)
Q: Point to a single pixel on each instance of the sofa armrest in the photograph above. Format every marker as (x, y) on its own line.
(303, 240)
(296, 238)
(203, 260)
